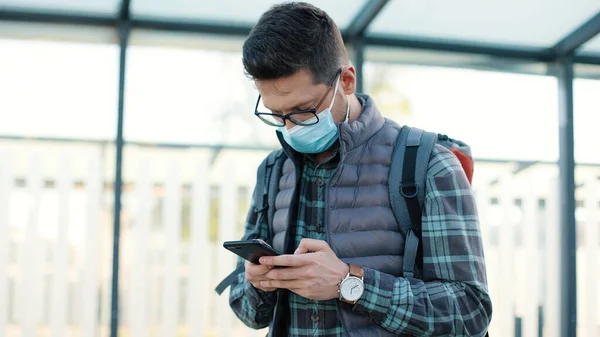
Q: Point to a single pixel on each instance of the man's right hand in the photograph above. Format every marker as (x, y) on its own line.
(256, 273)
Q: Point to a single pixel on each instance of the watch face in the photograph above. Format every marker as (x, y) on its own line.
(352, 289)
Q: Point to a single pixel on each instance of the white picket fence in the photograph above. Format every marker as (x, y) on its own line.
(56, 242)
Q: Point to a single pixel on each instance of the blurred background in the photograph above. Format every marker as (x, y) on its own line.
(128, 152)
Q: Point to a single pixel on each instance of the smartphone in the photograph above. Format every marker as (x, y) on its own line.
(251, 250)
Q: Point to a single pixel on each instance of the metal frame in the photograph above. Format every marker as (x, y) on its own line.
(429, 44)
(358, 49)
(520, 164)
(568, 224)
(578, 37)
(359, 25)
(124, 32)
(357, 30)
(562, 55)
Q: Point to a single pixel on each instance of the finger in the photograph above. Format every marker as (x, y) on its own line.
(257, 274)
(287, 273)
(257, 286)
(249, 266)
(258, 269)
(312, 245)
(287, 284)
(286, 260)
(268, 289)
(255, 279)
(301, 250)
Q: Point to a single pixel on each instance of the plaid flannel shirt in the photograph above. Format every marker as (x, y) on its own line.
(454, 300)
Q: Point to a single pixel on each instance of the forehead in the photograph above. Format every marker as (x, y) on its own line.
(285, 93)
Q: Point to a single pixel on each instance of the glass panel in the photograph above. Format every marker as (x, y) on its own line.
(53, 32)
(64, 6)
(454, 60)
(236, 11)
(56, 196)
(464, 102)
(588, 71)
(587, 212)
(530, 23)
(197, 96)
(58, 89)
(592, 46)
(587, 119)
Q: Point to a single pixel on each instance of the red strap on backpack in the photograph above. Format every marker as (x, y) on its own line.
(465, 161)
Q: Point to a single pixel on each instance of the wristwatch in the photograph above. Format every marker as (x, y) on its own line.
(352, 287)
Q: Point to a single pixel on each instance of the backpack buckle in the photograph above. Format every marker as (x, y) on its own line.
(259, 210)
(409, 190)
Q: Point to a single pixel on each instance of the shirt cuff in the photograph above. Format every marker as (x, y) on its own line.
(377, 296)
(257, 296)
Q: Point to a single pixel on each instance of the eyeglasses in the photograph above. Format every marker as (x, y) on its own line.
(300, 117)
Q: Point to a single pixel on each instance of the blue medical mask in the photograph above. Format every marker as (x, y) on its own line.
(318, 137)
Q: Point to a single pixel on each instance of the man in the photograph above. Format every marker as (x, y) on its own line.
(341, 272)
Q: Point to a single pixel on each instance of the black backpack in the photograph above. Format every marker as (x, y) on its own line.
(406, 189)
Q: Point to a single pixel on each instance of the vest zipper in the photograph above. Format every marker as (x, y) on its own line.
(328, 185)
(327, 209)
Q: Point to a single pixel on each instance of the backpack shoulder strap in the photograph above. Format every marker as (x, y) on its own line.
(395, 180)
(267, 182)
(407, 176)
(264, 203)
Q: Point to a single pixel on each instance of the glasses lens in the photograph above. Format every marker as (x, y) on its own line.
(271, 119)
(305, 118)
(265, 115)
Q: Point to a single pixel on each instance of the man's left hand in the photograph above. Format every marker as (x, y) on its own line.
(313, 272)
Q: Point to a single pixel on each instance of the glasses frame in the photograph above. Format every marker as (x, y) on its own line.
(289, 116)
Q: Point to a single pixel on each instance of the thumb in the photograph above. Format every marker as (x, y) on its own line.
(311, 245)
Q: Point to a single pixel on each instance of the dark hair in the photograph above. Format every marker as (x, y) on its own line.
(290, 37)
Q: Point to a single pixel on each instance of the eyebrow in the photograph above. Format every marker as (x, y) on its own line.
(296, 107)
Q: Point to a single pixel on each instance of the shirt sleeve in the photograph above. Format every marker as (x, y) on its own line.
(252, 306)
(454, 299)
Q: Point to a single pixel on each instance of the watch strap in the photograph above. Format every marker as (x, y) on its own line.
(357, 271)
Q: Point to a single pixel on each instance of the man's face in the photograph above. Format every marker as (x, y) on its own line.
(298, 92)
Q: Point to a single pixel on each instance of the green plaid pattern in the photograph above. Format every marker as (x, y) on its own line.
(453, 261)
(308, 317)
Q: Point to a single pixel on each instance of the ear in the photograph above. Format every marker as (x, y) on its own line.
(348, 80)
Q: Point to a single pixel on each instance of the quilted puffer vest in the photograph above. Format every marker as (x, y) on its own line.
(361, 228)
